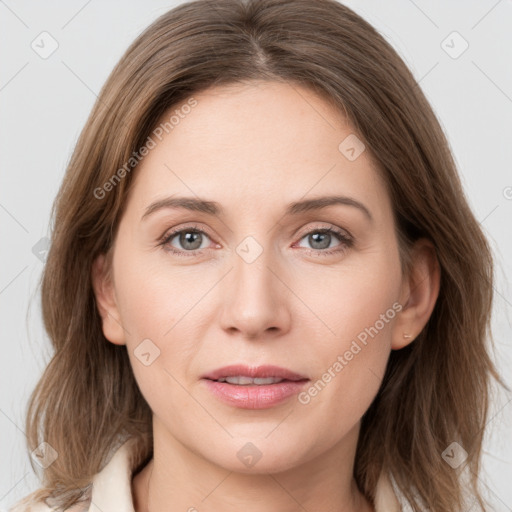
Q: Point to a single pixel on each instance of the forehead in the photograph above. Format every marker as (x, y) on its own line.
(260, 143)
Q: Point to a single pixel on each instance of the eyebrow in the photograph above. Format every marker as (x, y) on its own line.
(214, 208)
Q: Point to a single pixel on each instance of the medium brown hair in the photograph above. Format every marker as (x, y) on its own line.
(435, 391)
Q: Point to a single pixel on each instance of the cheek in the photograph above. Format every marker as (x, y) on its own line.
(352, 297)
(359, 307)
(159, 343)
(349, 371)
(153, 303)
(154, 297)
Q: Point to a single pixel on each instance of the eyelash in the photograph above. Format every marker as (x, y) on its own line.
(346, 241)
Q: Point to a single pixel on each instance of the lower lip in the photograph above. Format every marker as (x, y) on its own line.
(255, 397)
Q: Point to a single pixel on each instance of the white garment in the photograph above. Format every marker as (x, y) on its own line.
(112, 489)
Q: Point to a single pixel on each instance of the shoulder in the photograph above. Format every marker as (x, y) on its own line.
(386, 499)
(111, 487)
(40, 506)
(31, 506)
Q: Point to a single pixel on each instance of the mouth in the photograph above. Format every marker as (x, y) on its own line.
(260, 387)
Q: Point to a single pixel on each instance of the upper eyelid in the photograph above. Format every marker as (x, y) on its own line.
(173, 232)
(329, 227)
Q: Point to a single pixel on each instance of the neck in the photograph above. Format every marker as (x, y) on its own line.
(177, 479)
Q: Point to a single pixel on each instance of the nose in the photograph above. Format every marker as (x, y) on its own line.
(255, 299)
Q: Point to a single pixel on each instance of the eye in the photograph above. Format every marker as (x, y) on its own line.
(185, 240)
(321, 241)
(191, 241)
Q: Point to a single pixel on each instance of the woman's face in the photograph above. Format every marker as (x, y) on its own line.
(250, 278)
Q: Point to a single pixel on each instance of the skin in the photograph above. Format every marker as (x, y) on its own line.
(255, 148)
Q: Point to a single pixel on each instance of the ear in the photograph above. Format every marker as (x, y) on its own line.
(104, 292)
(419, 293)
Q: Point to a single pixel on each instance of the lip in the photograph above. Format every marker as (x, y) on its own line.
(254, 396)
(254, 372)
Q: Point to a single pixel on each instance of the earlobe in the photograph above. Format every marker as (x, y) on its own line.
(419, 294)
(103, 287)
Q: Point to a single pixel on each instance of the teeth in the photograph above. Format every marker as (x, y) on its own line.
(242, 380)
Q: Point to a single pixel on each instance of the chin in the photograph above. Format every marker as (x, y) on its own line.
(257, 455)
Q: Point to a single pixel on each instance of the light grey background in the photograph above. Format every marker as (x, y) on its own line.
(45, 102)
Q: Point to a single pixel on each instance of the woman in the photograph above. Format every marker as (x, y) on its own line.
(265, 287)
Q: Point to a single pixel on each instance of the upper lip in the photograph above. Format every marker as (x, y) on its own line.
(254, 372)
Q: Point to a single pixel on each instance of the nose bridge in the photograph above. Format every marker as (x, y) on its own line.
(254, 300)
